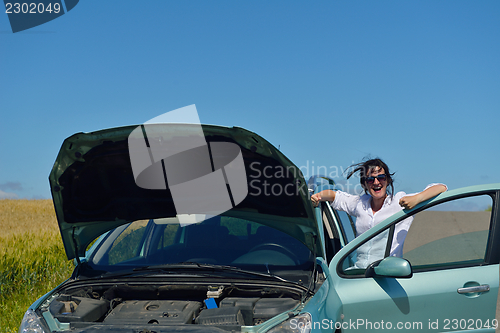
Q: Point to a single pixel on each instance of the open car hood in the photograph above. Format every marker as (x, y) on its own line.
(104, 179)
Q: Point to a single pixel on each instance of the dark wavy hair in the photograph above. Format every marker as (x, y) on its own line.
(364, 167)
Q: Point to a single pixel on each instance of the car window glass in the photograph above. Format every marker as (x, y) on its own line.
(339, 229)
(128, 244)
(239, 227)
(452, 233)
(329, 224)
(347, 225)
(223, 240)
(168, 236)
(330, 232)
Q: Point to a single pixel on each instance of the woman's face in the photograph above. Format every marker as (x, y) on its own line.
(376, 187)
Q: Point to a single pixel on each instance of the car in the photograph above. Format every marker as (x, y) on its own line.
(173, 232)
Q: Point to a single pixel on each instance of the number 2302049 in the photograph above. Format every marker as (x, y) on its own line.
(32, 8)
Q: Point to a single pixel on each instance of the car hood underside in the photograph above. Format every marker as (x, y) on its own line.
(95, 189)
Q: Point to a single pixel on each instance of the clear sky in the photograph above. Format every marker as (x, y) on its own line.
(416, 83)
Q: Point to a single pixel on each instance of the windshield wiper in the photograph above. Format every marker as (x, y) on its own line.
(160, 267)
(210, 267)
(123, 273)
(136, 271)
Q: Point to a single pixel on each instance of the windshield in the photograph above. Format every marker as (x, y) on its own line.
(219, 240)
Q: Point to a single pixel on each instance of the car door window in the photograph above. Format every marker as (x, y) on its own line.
(338, 229)
(347, 225)
(450, 234)
(454, 233)
(330, 232)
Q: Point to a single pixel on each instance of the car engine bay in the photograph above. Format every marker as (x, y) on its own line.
(167, 308)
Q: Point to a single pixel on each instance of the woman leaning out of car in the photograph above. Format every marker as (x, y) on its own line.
(375, 205)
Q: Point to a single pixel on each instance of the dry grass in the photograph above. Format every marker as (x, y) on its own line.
(32, 258)
(20, 216)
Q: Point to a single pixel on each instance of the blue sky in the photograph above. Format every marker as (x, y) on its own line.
(330, 82)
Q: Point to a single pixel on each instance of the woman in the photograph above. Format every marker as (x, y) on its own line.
(376, 205)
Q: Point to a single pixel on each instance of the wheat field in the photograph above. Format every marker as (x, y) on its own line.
(32, 258)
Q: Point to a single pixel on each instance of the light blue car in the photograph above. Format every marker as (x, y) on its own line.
(219, 235)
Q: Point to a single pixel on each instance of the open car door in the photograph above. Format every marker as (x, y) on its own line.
(447, 279)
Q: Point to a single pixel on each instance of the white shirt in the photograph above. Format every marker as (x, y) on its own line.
(360, 207)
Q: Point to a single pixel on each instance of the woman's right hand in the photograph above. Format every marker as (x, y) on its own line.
(315, 199)
(325, 195)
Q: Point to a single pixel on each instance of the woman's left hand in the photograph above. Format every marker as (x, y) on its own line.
(409, 201)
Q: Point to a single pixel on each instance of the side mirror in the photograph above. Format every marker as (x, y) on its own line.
(393, 267)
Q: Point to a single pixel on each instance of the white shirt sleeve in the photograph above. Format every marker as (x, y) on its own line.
(430, 185)
(345, 202)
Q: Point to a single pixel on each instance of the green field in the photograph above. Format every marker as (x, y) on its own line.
(32, 258)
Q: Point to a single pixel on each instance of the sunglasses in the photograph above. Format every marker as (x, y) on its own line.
(371, 180)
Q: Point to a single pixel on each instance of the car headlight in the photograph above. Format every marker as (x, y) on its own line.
(297, 324)
(31, 323)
